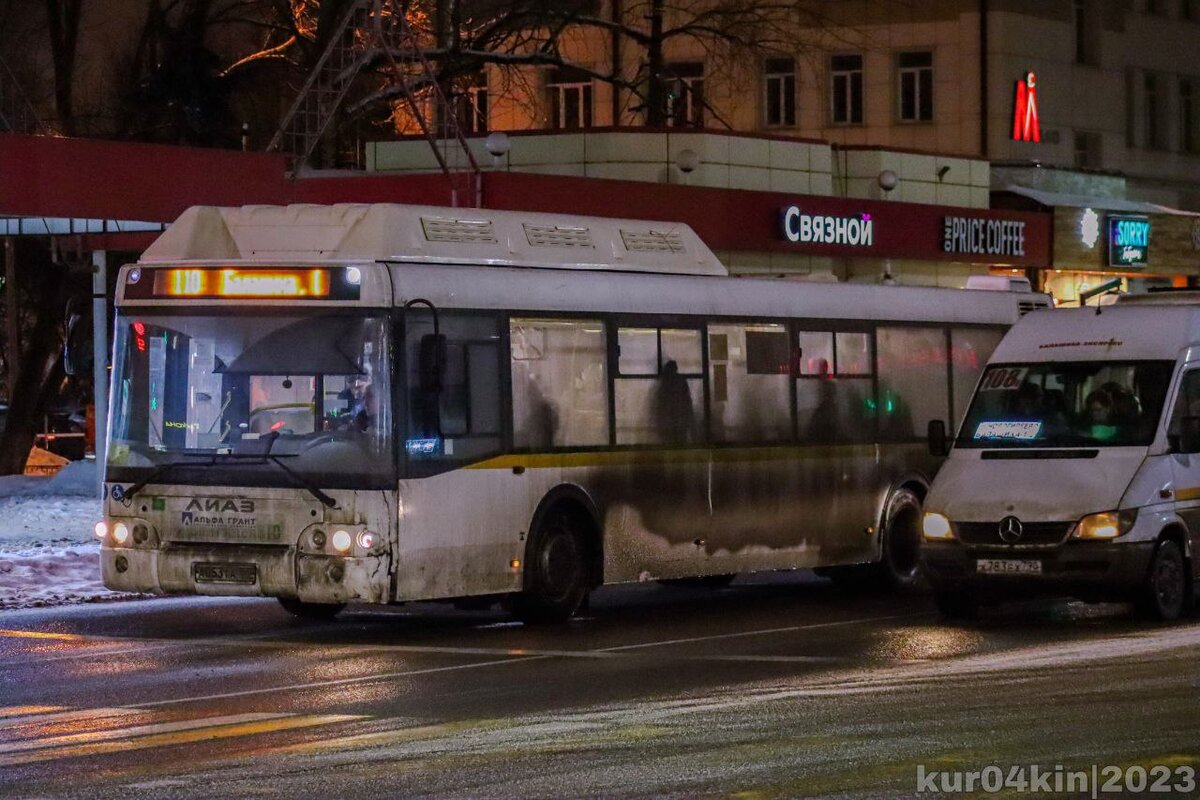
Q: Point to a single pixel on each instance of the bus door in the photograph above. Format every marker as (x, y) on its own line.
(659, 477)
(790, 488)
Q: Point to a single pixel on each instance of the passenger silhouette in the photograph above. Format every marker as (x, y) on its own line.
(673, 412)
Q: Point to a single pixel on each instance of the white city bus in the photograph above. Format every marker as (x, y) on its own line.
(381, 403)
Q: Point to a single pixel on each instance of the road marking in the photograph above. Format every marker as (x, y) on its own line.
(339, 682)
(72, 715)
(20, 711)
(133, 732)
(181, 737)
(759, 632)
(514, 656)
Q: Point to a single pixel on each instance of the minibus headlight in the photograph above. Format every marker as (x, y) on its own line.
(936, 527)
(120, 533)
(341, 541)
(1106, 525)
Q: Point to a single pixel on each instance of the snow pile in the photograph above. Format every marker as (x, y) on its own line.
(52, 575)
(77, 479)
(48, 551)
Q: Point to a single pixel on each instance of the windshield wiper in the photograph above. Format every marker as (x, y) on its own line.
(127, 494)
(230, 458)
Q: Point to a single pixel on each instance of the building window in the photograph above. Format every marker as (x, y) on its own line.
(1156, 7)
(1087, 33)
(1154, 132)
(846, 89)
(570, 99)
(685, 94)
(1189, 10)
(779, 103)
(471, 105)
(916, 86)
(1189, 141)
(1087, 149)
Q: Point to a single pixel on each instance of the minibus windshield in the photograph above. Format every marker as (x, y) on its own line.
(1096, 404)
(312, 390)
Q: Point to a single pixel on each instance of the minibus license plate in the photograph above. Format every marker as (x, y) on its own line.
(225, 573)
(1007, 566)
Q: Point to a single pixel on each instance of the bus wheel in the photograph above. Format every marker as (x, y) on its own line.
(1165, 592)
(959, 605)
(705, 582)
(556, 578)
(901, 567)
(314, 611)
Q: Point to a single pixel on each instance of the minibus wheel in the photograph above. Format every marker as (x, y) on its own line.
(1165, 592)
(315, 611)
(901, 564)
(556, 574)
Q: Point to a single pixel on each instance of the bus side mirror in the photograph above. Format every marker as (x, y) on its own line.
(1189, 435)
(939, 445)
(431, 362)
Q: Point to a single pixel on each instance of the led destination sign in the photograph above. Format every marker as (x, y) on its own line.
(302, 283)
(1128, 241)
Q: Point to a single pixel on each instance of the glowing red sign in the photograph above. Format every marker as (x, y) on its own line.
(1025, 111)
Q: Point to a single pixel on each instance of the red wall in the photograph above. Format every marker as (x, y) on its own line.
(44, 176)
(59, 177)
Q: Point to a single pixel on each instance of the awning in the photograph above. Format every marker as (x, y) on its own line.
(67, 226)
(1052, 199)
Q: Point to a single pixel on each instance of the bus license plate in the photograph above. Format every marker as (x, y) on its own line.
(225, 573)
(1007, 566)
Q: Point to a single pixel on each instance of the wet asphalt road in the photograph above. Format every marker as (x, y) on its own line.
(775, 687)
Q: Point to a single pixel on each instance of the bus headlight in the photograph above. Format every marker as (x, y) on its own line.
(936, 527)
(101, 530)
(367, 539)
(1106, 525)
(120, 533)
(341, 541)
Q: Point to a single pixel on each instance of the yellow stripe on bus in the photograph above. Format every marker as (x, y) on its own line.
(626, 457)
(1190, 493)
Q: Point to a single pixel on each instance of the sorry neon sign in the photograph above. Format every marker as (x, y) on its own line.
(1026, 127)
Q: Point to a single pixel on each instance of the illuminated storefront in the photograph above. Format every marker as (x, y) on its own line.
(1144, 246)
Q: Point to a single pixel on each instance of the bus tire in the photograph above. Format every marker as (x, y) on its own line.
(313, 611)
(900, 565)
(961, 605)
(1165, 592)
(703, 582)
(556, 574)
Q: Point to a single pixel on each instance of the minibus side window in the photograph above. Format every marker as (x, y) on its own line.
(1186, 405)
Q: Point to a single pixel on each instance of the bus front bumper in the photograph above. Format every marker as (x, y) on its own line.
(1088, 570)
(226, 570)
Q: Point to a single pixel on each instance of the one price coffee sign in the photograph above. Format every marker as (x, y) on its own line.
(1128, 241)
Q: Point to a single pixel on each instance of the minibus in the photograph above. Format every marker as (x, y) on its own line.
(1076, 470)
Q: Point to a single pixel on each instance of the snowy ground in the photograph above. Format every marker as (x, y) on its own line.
(48, 552)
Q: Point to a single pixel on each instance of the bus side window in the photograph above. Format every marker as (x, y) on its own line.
(751, 400)
(559, 383)
(659, 391)
(461, 373)
(833, 386)
(970, 349)
(913, 380)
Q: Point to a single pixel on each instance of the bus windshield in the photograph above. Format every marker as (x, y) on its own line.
(315, 387)
(1067, 405)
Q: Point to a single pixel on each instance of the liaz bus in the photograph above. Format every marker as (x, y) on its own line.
(385, 403)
